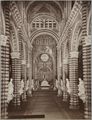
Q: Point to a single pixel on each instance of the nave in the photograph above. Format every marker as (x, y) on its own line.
(45, 105)
(45, 44)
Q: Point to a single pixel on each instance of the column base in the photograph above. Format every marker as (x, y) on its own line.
(74, 102)
(87, 115)
(24, 97)
(74, 107)
(4, 115)
(87, 111)
(15, 107)
(16, 101)
(65, 96)
(15, 104)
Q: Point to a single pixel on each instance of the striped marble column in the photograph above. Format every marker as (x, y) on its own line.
(4, 75)
(65, 67)
(86, 40)
(16, 76)
(73, 77)
(59, 71)
(87, 76)
(4, 50)
(24, 76)
(30, 73)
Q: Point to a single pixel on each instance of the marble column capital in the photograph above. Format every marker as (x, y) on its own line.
(3, 40)
(58, 48)
(28, 65)
(23, 62)
(88, 39)
(65, 61)
(74, 54)
(31, 47)
(15, 55)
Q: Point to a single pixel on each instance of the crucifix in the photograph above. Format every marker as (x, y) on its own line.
(44, 77)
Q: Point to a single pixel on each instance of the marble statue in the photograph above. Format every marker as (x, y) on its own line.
(68, 86)
(21, 87)
(57, 84)
(81, 89)
(32, 85)
(10, 90)
(27, 85)
(62, 87)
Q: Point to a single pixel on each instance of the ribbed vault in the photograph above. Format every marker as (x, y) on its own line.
(52, 8)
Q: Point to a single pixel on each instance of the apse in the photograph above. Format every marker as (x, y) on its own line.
(44, 58)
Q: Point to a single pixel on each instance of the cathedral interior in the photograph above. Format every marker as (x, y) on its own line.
(45, 59)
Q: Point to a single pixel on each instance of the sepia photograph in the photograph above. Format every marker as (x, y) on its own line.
(45, 59)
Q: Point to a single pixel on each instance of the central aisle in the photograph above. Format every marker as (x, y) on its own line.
(46, 103)
(43, 103)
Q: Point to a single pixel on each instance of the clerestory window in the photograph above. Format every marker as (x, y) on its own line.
(44, 23)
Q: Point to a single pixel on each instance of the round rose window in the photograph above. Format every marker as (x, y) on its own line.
(44, 57)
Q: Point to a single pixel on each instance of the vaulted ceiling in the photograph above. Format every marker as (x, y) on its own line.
(51, 8)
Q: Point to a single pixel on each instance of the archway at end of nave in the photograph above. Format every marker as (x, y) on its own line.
(44, 60)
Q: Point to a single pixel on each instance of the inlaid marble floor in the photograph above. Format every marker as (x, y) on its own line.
(45, 102)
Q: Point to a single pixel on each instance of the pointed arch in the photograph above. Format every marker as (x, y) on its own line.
(75, 37)
(2, 21)
(89, 23)
(46, 32)
(14, 38)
